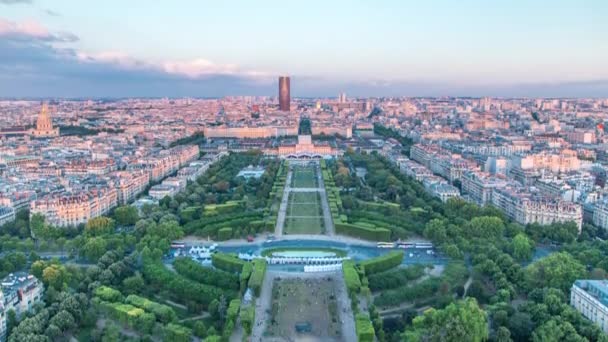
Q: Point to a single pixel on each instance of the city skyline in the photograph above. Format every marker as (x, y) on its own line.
(70, 49)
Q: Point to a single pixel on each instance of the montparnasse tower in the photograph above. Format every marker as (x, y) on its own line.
(44, 125)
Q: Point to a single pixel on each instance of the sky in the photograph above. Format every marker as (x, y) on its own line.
(127, 48)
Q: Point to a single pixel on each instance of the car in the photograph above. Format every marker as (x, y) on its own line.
(249, 238)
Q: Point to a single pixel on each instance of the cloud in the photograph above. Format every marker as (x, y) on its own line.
(37, 62)
(33, 31)
(14, 2)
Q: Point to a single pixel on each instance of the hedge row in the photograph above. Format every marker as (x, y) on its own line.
(224, 234)
(351, 277)
(108, 294)
(227, 262)
(244, 276)
(176, 333)
(383, 262)
(206, 275)
(247, 316)
(180, 287)
(394, 278)
(257, 276)
(163, 313)
(364, 328)
(127, 314)
(373, 234)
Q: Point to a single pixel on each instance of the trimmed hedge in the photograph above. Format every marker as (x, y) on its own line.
(206, 275)
(233, 309)
(108, 294)
(373, 234)
(247, 318)
(364, 327)
(257, 276)
(383, 262)
(227, 262)
(244, 276)
(176, 333)
(394, 278)
(181, 288)
(224, 233)
(163, 313)
(127, 314)
(351, 277)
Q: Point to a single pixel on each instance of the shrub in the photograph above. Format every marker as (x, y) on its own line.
(373, 234)
(248, 318)
(163, 313)
(383, 263)
(206, 275)
(224, 233)
(108, 294)
(180, 287)
(227, 262)
(233, 309)
(257, 276)
(364, 327)
(351, 277)
(177, 333)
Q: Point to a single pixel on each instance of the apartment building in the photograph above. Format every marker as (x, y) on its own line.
(478, 186)
(590, 298)
(7, 214)
(73, 209)
(129, 184)
(525, 208)
(19, 292)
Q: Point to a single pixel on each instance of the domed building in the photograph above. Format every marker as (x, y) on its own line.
(44, 125)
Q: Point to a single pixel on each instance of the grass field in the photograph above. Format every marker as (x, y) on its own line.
(304, 302)
(304, 214)
(304, 177)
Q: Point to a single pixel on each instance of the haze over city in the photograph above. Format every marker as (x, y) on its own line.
(389, 48)
(279, 171)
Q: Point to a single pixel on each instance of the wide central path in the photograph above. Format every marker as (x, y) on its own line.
(282, 214)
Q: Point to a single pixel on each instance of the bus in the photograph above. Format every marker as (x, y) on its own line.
(176, 245)
(423, 245)
(385, 245)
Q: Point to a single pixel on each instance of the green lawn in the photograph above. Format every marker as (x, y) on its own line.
(303, 177)
(304, 214)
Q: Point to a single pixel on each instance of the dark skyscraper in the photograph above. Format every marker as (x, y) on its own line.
(284, 97)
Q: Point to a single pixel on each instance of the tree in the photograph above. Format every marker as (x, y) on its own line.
(503, 335)
(553, 330)
(486, 227)
(521, 326)
(54, 276)
(126, 215)
(460, 321)
(133, 284)
(63, 320)
(94, 248)
(99, 226)
(558, 270)
(522, 247)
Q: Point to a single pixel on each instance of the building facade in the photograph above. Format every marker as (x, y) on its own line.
(590, 298)
(284, 94)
